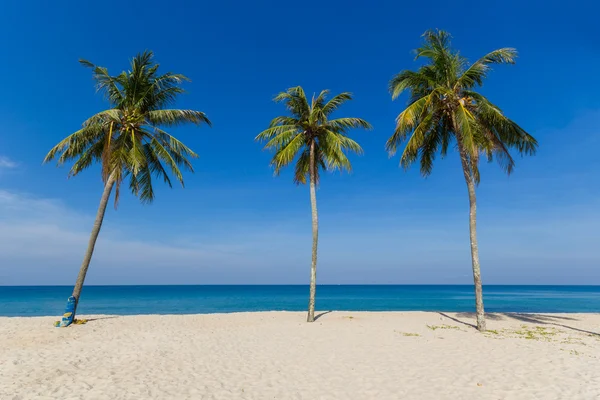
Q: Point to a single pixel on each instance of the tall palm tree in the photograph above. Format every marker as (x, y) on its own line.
(127, 139)
(443, 107)
(316, 142)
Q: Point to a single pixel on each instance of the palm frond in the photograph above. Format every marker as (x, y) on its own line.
(302, 168)
(177, 117)
(76, 143)
(179, 151)
(319, 101)
(167, 157)
(284, 120)
(141, 185)
(406, 122)
(332, 148)
(345, 143)
(286, 154)
(416, 143)
(410, 80)
(155, 165)
(86, 158)
(478, 71)
(283, 139)
(344, 124)
(467, 129)
(267, 134)
(104, 118)
(105, 83)
(295, 101)
(335, 102)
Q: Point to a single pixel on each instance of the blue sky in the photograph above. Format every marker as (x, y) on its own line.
(236, 223)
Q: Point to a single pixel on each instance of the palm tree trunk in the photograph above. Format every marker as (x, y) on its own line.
(481, 326)
(92, 242)
(315, 234)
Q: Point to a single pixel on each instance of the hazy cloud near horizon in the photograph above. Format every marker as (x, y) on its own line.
(42, 242)
(538, 227)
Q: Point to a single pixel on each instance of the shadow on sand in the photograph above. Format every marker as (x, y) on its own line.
(321, 314)
(99, 318)
(544, 319)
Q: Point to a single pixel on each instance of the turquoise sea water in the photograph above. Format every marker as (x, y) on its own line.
(123, 300)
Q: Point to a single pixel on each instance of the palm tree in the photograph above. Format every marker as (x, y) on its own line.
(127, 139)
(315, 142)
(443, 106)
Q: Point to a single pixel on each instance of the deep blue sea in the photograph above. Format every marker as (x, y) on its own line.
(123, 300)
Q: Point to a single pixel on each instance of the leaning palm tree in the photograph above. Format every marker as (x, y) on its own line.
(443, 107)
(127, 139)
(316, 142)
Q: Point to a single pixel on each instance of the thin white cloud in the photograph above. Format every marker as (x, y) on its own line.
(538, 227)
(42, 241)
(7, 163)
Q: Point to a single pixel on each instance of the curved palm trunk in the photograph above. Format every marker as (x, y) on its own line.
(92, 242)
(315, 234)
(473, 234)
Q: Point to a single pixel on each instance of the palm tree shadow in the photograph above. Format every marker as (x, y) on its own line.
(321, 314)
(457, 320)
(543, 319)
(555, 320)
(99, 318)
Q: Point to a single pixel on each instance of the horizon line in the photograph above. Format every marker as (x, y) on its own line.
(306, 284)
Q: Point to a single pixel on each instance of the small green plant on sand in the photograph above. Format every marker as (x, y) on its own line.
(572, 340)
(535, 333)
(435, 327)
(409, 334)
(494, 334)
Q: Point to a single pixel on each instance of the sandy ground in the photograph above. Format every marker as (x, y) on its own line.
(276, 355)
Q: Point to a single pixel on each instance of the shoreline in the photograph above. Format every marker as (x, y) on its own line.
(465, 314)
(342, 355)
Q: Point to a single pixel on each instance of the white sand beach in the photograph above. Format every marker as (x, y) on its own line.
(276, 355)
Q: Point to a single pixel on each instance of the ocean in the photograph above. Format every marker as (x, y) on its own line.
(192, 299)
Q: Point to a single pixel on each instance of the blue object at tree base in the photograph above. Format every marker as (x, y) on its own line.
(69, 314)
